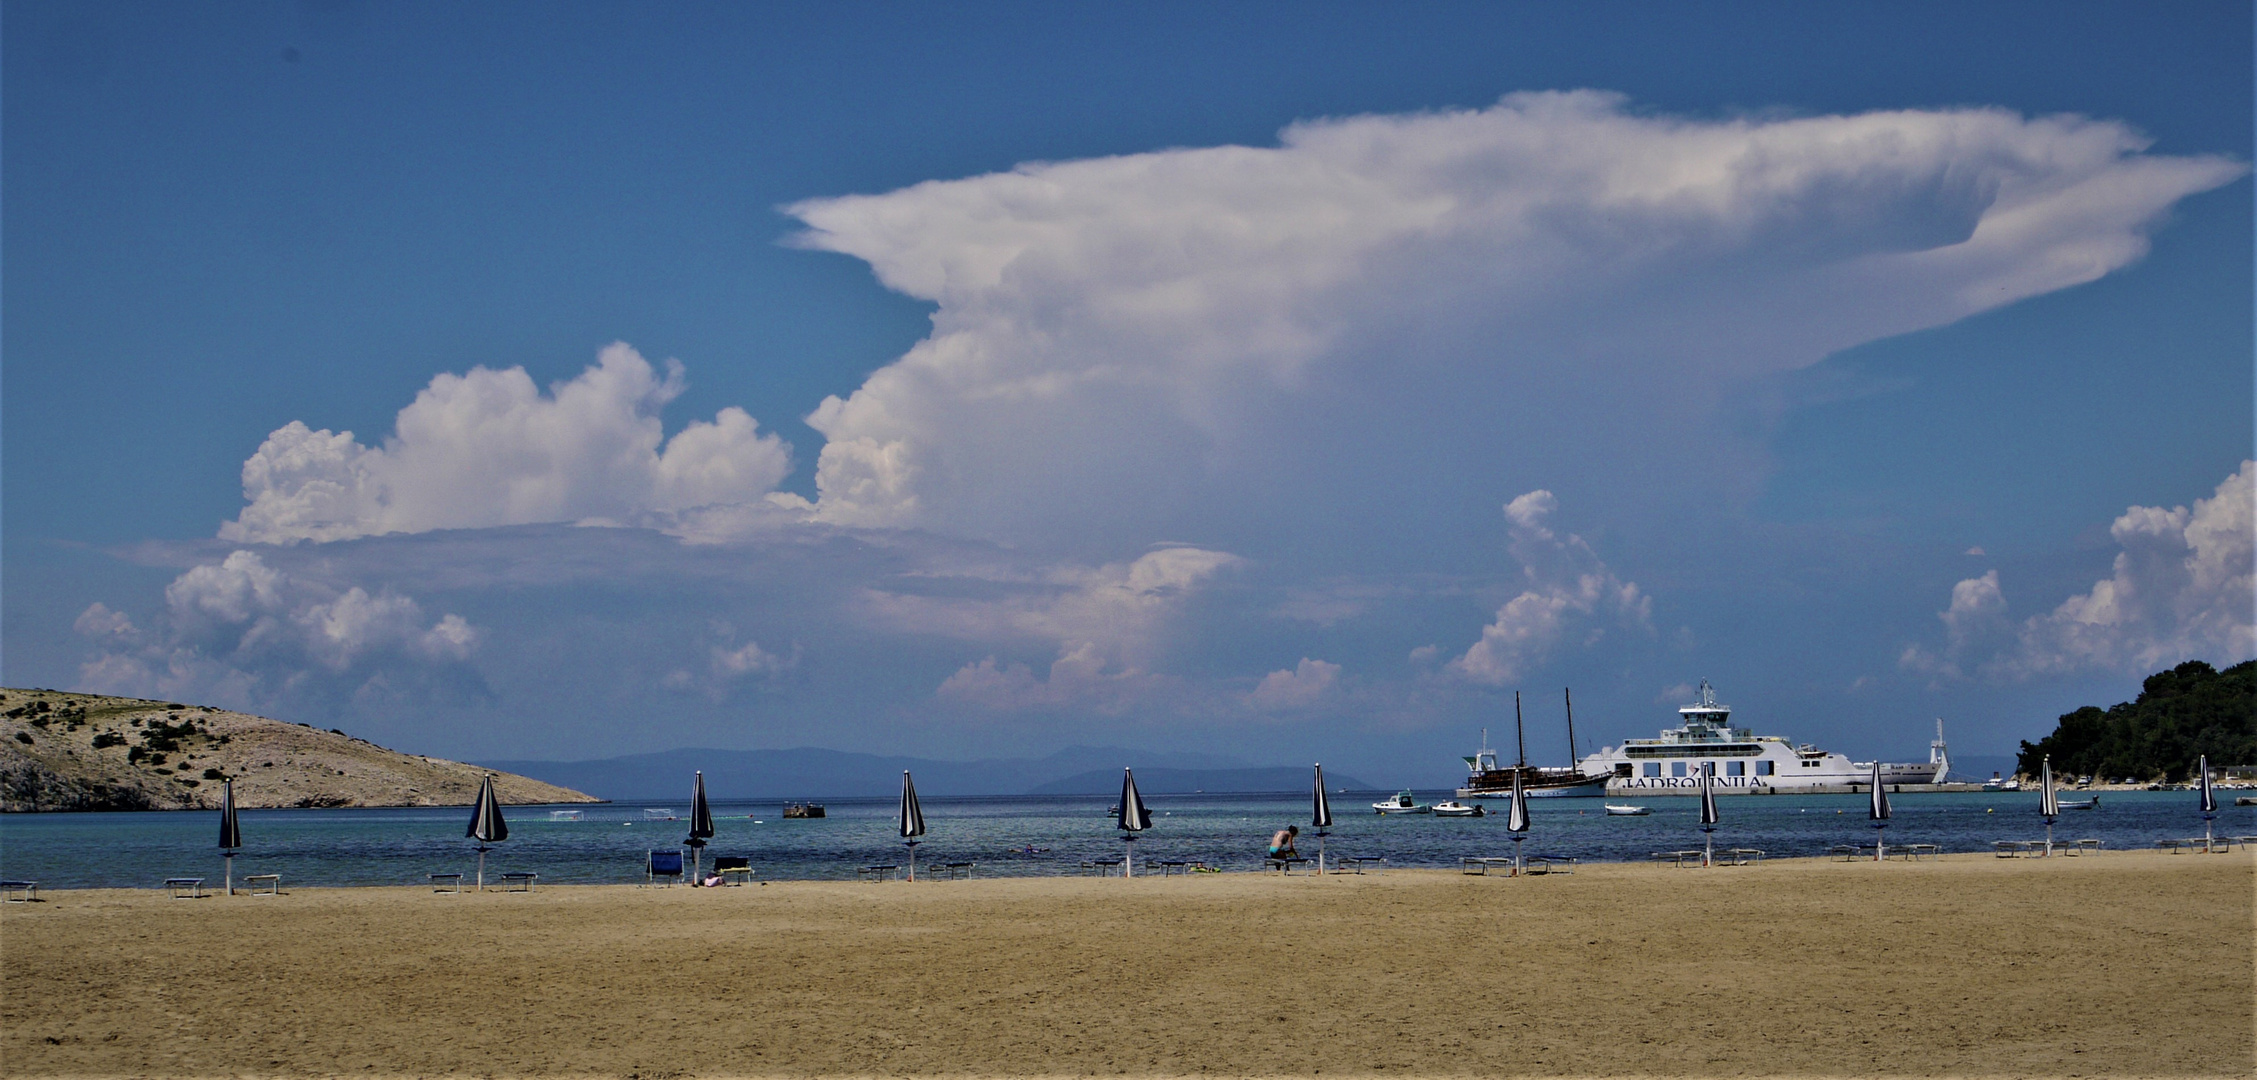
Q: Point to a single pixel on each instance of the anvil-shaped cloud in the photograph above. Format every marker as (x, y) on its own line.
(1161, 340)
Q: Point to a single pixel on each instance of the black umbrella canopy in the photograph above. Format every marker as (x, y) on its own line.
(1878, 810)
(2049, 801)
(230, 833)
(1134, 817)
(911, 820)
(486, 824)
(2209, 797)
(1708, 796)
(701, 815)
(1320, 814)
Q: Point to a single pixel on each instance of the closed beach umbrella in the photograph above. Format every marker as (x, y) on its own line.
(231, 834)
(2049, 803)
(1709, 816)
(911, 821)
(1878, 811)
(2209, 799)
(486, 825)
(1134, 819)
(701, 823)
(1516, 819)
(1320, 815)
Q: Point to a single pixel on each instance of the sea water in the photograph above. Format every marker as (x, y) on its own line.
(1028, 836)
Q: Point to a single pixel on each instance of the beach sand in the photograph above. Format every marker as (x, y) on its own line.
(2121, 964)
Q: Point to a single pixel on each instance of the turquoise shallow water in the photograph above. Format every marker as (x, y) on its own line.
(401, 846)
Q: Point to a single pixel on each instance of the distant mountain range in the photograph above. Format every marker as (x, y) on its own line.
(809, 773)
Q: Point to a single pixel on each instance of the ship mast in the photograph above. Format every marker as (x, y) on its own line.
(1520, 735)
(1570, 695)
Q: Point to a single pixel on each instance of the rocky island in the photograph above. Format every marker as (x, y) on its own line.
(65, 751)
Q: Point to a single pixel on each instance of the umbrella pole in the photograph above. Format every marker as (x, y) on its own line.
(1880, 841)
(230, 873)
(481, 868)
(912, 845)
(1321, 834)
(1516, 854)
(1128, 856)
(1708, 846)
(2049, 837)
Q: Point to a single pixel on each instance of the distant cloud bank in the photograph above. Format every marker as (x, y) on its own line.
(2181, 589)
(489, 448)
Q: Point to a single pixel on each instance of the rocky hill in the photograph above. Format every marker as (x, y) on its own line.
(63, 751)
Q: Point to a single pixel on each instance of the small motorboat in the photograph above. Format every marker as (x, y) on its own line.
(1627, 811)
(803, 810)
(1454, 808)
(2080, 804)
(1401, 803)
(566, 815)
(657, 813)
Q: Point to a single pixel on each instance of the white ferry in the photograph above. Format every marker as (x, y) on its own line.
(1742, 762)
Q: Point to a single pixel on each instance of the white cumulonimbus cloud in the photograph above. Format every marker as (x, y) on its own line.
(1297, 687)
(2181, 589)
(489, 448)
(1119, 338)
(242, 632)
(1106, 624)
(1571, 597)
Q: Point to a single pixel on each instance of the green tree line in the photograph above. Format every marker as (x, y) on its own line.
(2190, 710)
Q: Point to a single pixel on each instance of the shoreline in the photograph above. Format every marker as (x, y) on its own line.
(2123, 963)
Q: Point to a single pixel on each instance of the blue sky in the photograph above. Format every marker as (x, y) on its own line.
(1287, 383)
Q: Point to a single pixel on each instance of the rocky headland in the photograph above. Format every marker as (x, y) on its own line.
(65, 751)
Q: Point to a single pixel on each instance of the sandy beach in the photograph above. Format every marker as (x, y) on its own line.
(2121, 964)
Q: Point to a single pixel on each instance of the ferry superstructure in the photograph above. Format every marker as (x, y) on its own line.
(1742, 762)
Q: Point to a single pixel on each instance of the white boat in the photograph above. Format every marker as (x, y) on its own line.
(1401, 803)
(1742, 762)
(2078, 804)
(652, 813)
(1454, 808)
(565, 815)
(1626, 811)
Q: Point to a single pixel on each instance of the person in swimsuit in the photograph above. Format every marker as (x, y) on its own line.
(1281, 845)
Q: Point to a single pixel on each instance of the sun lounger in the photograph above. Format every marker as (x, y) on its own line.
(1678, 858)
(661, 865)
(736, 867)
(1360, 864)
(451, 883)
(1101, 867)
(185, 888)
(1482, 864)
(19, 892)
(1741, 856)
(1284, 864)
(1847, 852)
(879, 872)
(273, 883)
(1917, 851)
(954, 869)
(518, 881)
(1551, 864)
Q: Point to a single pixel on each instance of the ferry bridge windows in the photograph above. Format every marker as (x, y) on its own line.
(1735, 768)
(1653, 768)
